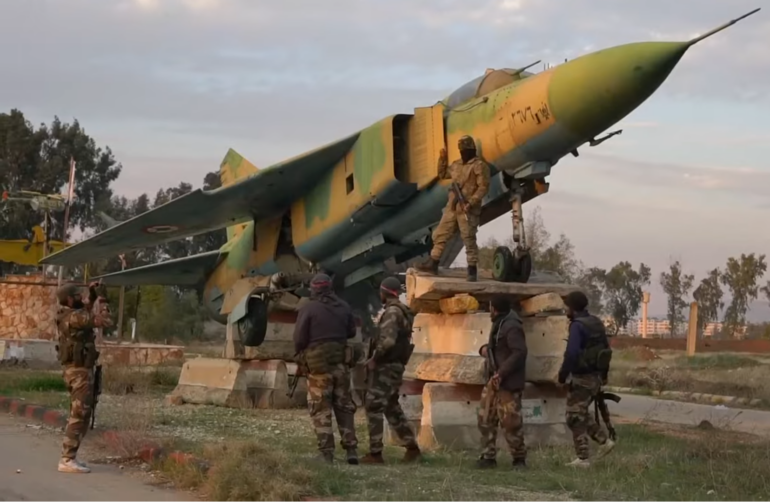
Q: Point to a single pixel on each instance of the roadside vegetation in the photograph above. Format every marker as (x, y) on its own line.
(269, 454)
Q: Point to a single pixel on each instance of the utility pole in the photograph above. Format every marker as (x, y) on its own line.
(70, 193)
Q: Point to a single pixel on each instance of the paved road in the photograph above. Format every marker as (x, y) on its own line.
(635, 407)
(36, 453)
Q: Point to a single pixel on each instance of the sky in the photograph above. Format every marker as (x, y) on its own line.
(170, 85)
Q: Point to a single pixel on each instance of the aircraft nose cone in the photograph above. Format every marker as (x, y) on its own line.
(591, 93)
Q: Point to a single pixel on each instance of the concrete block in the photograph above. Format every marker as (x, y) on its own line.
(39, 354)
(458, 304)
(449, 416)
(411, 402)
(463, 335)
(237, 384)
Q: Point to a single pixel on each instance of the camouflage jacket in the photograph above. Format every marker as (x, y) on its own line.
(394, 333)
(472, 178)
(72, 321)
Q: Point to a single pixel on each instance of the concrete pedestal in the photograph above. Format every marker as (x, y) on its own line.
(444, 415)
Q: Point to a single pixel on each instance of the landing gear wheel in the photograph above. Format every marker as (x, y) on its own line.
(502, 263)
(521, 268)
(253, 327)
(506, 267)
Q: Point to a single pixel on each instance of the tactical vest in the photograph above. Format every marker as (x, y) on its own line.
(597, 354)
(402, 350)
(491, 365)
(77, 347)
(324, 357)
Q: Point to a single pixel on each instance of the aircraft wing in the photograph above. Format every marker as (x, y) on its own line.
(263, 194)
(186, 271)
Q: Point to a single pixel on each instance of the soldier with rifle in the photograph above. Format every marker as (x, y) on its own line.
(470, 184)
(587, 362)
(77, 354)
(389, 352)
(505, 368)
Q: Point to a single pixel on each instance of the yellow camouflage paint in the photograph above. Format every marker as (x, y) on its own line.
(510, 114)
(369, 164)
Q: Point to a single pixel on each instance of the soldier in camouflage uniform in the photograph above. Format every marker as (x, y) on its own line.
(77, 354)
(390, 351)
(324, 325)
(505, 368)
(471, 174)
(586, 360)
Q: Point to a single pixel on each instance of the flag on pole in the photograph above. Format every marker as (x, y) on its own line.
(71, 190)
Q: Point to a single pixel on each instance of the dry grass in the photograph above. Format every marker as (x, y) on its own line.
(720, 374)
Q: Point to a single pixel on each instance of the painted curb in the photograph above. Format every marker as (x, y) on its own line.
(694, 396)
(149, 453)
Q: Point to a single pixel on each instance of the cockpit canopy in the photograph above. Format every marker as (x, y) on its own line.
(491, 81)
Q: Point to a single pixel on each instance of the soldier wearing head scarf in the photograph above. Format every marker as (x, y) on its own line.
(77, 352)
(390, 352)
(324, 325)
(586, 361)
(470, 174)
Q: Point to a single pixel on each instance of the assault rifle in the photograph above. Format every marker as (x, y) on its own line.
(600, 408)
(459, 197)
(295, 380)
(97, 392)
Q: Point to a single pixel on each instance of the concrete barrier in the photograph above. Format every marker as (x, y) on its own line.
(448, 416)
(237, 384)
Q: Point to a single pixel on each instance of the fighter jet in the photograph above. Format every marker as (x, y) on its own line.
(366, 204)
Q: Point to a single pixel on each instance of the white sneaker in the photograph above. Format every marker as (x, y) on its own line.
(605, 448)
(72, 466)
(579, 462)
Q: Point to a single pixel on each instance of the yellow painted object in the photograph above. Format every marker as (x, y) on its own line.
(25, 252)
(458, 304)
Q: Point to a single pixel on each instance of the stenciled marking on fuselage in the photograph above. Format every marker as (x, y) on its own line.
(524, 114)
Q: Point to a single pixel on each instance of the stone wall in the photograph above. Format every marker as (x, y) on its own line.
(28, 310)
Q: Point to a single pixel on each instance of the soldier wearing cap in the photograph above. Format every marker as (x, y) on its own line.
(471, 176)
(323, 327)
(587, 363)
(77, 354)
(389, 353)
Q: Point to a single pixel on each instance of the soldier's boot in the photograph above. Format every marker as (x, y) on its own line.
(486, 463)
(580, 462)
(373, 458)
(352, 456)
(472, 273)
(429, 265)
(71, 465)
(326, 457)
(519, 463)
(605, 448)
(412, 454)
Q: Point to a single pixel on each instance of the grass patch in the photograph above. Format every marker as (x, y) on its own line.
(716, 361)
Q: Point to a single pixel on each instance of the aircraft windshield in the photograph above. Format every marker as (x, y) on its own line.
(470, 90)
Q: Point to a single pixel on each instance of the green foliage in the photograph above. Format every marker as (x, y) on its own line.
(33, 382)
(166, 314)
(741, 276)
(709, 294)
(716, 361)
(622, 290)
(677, 286)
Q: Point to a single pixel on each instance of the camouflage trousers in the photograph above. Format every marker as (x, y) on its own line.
(505, 411)
(451, 220)
(79, 382)
(327, 392)
(581, 422)
(382, 398)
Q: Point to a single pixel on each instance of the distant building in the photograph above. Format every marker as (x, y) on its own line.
(661, 328)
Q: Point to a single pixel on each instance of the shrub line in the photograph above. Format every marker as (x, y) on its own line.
(149, 452)
(693, 396)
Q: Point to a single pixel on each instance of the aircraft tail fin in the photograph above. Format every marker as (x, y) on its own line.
(232, 169)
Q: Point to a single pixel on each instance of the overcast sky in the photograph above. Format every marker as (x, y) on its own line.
(169, 85)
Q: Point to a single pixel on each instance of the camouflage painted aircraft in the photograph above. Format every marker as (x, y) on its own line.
(366, 204)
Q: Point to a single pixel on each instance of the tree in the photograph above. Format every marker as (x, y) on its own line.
(558, 258)
(38, 160)
(622, 291)
(766, 290)
(708, 294)
(741, 276)
(677, 286)
(590, 280)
